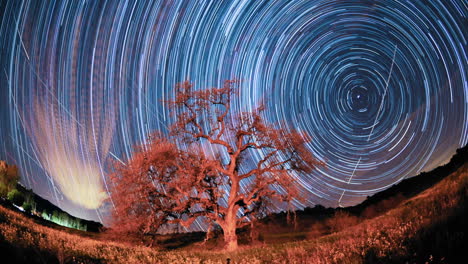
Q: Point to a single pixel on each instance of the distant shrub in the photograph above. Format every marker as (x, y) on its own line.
(27, 207)
(30, 203)
(16, 197)
(317, 230)
(341, 220)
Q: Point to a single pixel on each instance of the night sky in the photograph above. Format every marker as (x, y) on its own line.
(381, 86)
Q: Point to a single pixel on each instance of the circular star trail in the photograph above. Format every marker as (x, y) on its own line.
(380, 86)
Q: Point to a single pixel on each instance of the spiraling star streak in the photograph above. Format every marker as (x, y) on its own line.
(322, 66)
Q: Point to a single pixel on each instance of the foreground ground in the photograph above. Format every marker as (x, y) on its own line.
(427, 228)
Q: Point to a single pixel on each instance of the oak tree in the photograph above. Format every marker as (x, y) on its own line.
(176, 179)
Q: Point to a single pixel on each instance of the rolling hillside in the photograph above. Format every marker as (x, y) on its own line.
(422, 219)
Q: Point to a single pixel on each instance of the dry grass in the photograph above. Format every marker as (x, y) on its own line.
(399, 235)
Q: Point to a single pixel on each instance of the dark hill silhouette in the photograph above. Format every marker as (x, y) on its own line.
(407, 188)
(415, 185)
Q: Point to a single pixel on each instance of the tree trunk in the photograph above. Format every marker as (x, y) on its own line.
(230, 237)
(230, 222)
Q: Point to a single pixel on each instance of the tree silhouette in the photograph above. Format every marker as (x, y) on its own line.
(9, 177)
(173, 180)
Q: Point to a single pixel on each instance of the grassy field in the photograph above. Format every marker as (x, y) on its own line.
(427, 228)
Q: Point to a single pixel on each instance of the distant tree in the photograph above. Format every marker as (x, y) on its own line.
(27, 207)
(9, 177)
(16, 197)
(46, 215)
(29, 202)
(174, 181)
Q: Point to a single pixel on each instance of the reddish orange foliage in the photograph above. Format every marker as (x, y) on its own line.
(164, 184)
